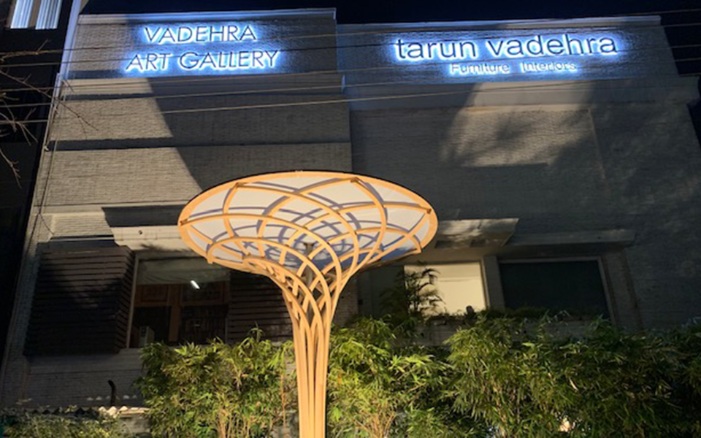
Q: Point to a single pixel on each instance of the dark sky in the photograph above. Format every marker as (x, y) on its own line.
(368, 11)
(681, 18)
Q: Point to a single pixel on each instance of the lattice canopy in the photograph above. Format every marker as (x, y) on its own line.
(327, 222)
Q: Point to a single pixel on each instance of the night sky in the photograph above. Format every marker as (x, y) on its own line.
(681, 18)
(368, 11)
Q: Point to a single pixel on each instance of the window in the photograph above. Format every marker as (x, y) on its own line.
(575, 286)
(38, 14)
(372, 285)
(178, 301)
(458, 285)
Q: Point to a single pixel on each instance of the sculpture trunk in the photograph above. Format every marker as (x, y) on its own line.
(311, 359)
(311, 305)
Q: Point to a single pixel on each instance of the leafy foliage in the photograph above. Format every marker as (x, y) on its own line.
(524, 382)
(411, 300)
(379, 387)
(507, 378)
(22, 424)
(499, 377)
(219, 390)
(621, 384)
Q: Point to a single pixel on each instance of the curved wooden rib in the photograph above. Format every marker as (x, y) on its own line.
(311, 281)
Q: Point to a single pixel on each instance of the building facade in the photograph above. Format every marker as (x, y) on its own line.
(559, 155)
(32, 39)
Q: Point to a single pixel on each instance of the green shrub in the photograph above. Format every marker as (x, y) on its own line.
(523, 381)
(411, 301)
(241, 390)
(508, 378)
(35, 425)
(498, 377)
(380, 387)
(621, 384)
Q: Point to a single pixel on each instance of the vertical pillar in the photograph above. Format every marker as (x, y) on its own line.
(311, 309)
(311, 359)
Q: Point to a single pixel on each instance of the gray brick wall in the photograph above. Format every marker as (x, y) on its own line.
(122, 117)
(478, 162)
(159, 175)
(83, 380)
(579, 168)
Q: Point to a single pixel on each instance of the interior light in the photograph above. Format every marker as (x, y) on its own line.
(194, 284)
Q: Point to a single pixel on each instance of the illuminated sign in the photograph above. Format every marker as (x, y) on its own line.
(205, 48)
(540, 54)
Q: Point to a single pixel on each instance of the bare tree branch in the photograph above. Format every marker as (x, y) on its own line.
(8, 55)
(13, 165)
(10, 121)
(16, 125)
(43, 93)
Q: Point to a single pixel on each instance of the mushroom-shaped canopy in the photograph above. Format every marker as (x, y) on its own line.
(326, 221)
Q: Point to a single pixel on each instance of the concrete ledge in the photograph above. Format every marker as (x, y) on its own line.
(621, 237)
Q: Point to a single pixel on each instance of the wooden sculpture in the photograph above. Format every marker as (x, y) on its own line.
(309, 232)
